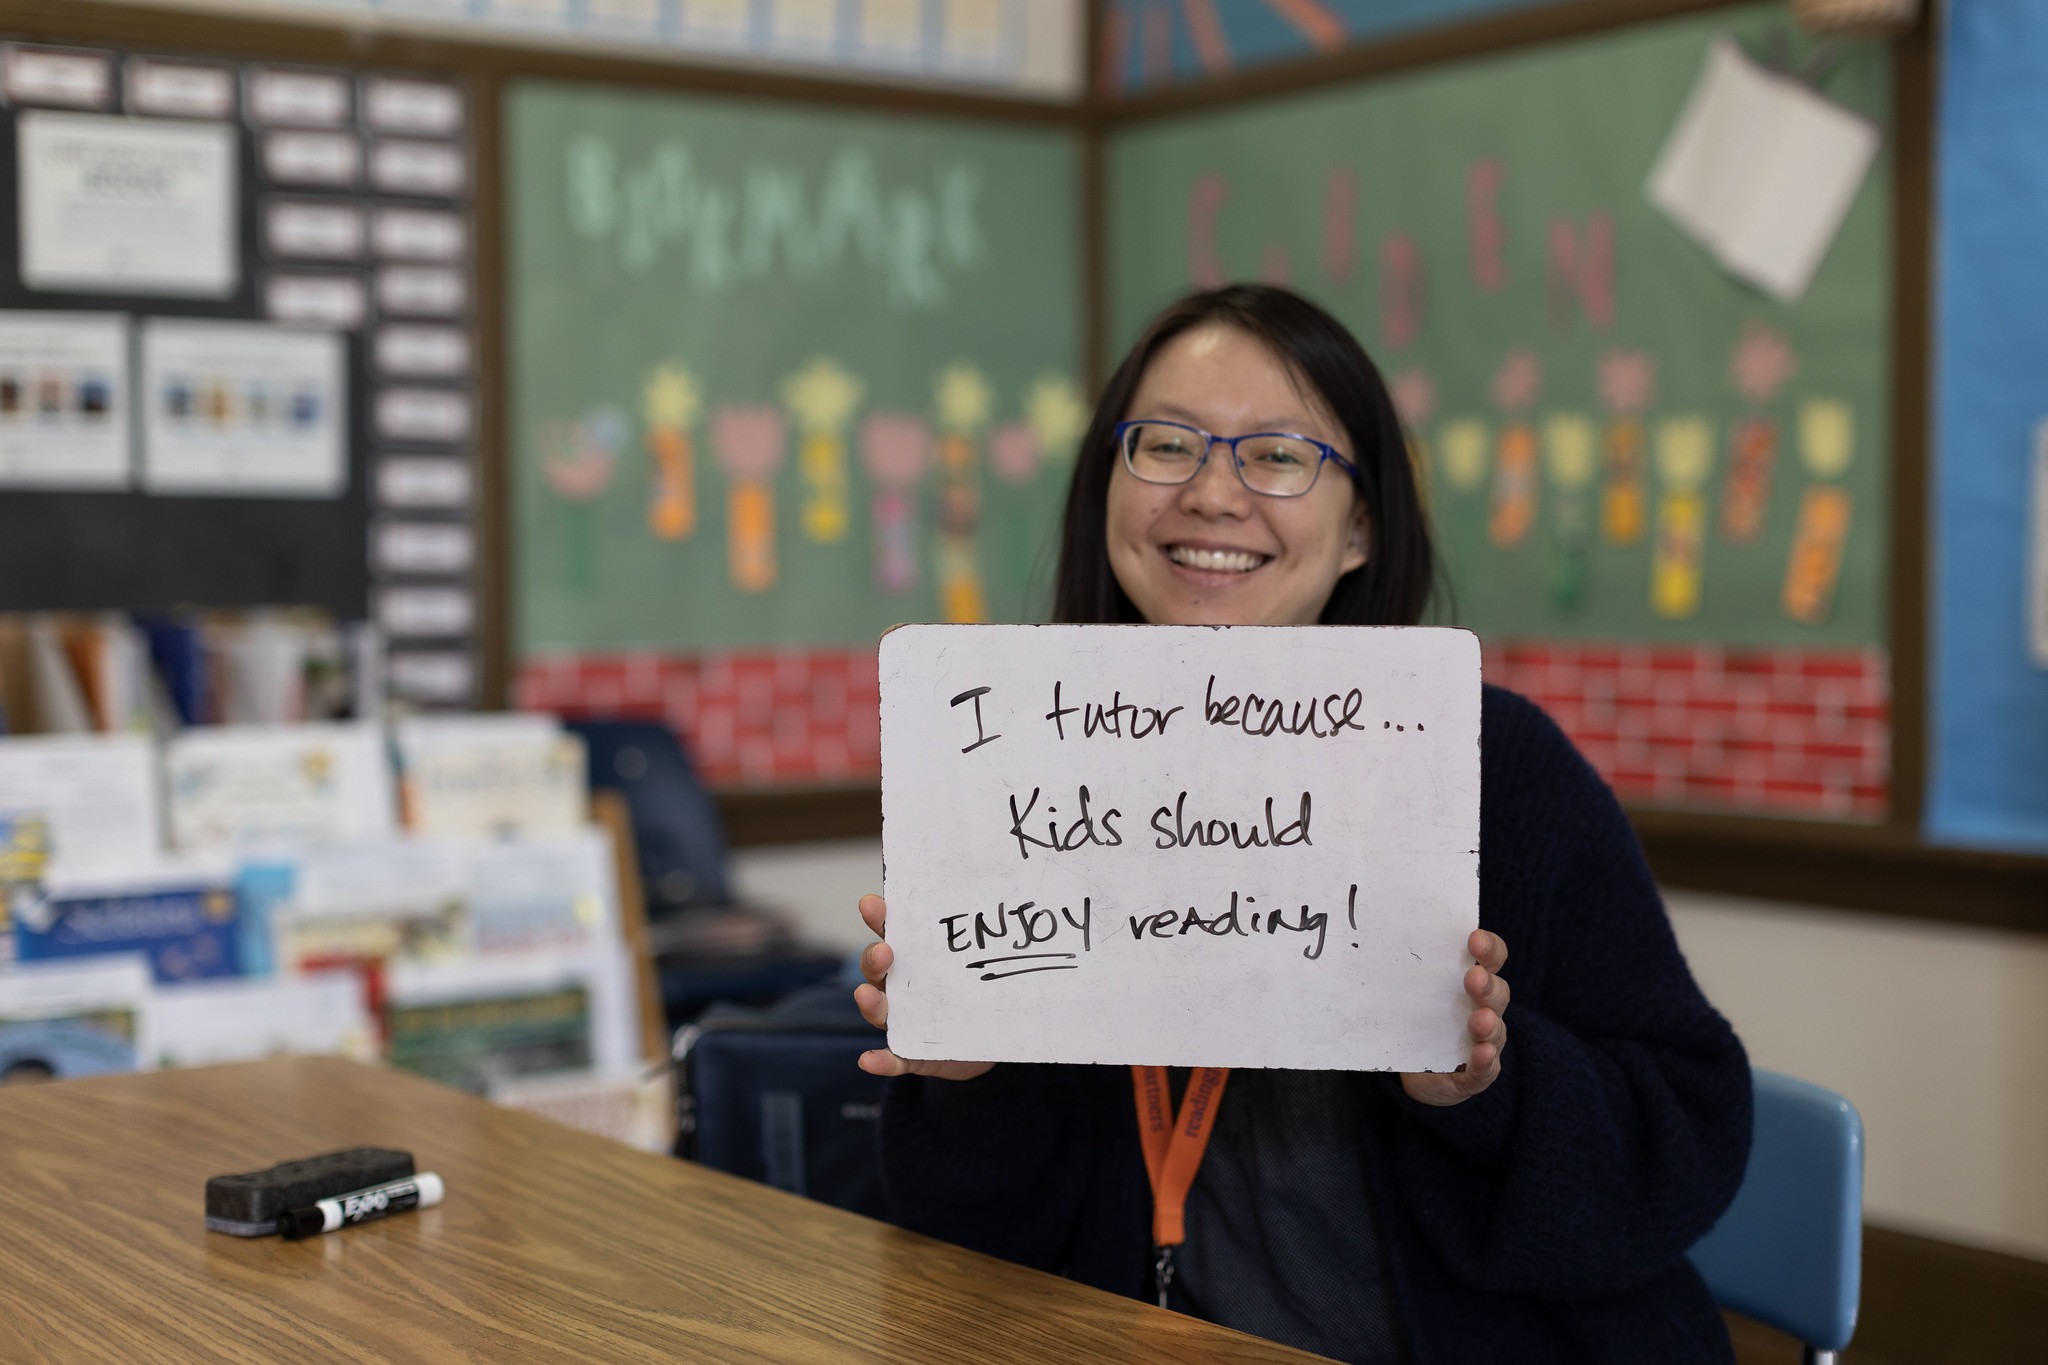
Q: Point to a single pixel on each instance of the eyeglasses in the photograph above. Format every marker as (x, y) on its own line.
(1274, 464)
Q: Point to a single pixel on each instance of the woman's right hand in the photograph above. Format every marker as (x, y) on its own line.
(875, 961)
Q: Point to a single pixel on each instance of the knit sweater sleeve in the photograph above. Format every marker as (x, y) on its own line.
(1000, 1164)
(1618, 1129)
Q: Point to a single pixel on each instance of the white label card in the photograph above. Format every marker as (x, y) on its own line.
(179, 89)
(1181, 846)
(72, 80)
(395, 104)
(315, 99)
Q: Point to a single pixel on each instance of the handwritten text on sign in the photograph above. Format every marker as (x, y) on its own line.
(1181, 845)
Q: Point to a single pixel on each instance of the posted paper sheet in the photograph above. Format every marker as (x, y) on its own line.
(243, 409)
(1182, 846)
(1760, 170)
(113, 205)
(64, 400)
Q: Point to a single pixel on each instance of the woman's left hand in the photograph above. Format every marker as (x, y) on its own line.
(1488, 1029)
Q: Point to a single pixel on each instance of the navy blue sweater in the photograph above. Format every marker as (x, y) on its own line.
(1545, 1219)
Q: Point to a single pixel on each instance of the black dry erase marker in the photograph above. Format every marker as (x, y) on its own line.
(421, 1191)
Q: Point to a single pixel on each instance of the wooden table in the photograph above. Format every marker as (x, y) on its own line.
(552, 1245)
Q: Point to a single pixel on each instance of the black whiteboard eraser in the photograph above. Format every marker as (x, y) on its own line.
(248, 1205)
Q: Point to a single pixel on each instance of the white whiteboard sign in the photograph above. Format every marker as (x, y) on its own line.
(1181, 845)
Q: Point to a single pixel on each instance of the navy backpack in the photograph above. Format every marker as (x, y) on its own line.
(774, 1094)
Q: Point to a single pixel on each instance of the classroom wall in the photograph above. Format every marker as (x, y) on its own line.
(1029, 48)
(1147, 44)
(1931, 1031)
(1989, 610)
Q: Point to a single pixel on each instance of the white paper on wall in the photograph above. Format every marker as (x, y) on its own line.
(1760, 170)
(64, 400)
(1193, 846)
(128, 206)
(243, 409)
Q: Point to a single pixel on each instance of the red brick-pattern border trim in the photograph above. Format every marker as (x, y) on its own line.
(761, 718)
(1802, 732)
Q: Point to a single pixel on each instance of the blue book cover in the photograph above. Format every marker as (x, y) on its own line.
(178, 650)
(187, 932)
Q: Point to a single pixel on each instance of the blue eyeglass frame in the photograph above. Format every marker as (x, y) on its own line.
(1211, 441)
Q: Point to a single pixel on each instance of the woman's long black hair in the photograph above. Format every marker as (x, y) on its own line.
(1391, 588)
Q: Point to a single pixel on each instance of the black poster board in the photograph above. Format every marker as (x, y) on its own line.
(150, 552)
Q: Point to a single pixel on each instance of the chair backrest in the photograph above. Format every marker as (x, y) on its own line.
(1789, 1250)
(676, 830)
(777, 1095)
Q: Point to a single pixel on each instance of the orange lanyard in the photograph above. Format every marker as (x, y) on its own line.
(1173, 1150)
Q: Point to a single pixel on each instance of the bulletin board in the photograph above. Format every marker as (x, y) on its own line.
(290, 407)
(1483, 228)
(781, 376)
(124, 549)
(1989, 783)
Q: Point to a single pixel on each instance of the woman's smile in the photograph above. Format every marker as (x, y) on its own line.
(1210, 551)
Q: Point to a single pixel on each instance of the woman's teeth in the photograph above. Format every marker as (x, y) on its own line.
(1225, 561)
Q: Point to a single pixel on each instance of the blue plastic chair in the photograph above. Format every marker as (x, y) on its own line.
(1789, 1250)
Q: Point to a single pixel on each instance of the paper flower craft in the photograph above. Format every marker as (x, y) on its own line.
(822, 397)
(894, 449)
(749, 442)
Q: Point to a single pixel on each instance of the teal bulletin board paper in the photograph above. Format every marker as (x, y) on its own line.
(736, 243)
(1450, 188)
(1988, 775)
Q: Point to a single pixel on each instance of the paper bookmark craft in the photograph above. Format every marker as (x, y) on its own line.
(1746, 496)
(1514, 469)
(1624, 498)
(1685, 457)
(669, 403)
(1759, 366)
(822, 397)
(1461, 452)
(894, 449)
(749, 442)
(1013, 452)
(1626, 380)
(1827, 437)
(961, 399)
(577, 460)
(1057, 416)
(1818, 539)
(1571, 461)
(1414, 395)
(1827, 447)
(1514, 486)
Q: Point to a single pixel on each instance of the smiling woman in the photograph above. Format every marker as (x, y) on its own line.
(1200, 528)
(1533, 1206)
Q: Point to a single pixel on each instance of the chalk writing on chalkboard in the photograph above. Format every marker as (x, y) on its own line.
(1083, 825)
(775, 220)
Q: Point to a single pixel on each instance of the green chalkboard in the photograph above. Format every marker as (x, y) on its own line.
(781, 375)
(1596, 404)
